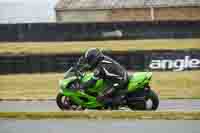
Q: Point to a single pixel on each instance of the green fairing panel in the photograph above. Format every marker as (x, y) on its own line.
(99, 86)
(138, 80)
(87, 77)
(76, 96)
(63, 83)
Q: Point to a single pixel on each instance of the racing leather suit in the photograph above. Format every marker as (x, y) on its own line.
(114, 75)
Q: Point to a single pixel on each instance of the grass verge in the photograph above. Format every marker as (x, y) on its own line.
(168, 85)
(103, 115)
(77, 47)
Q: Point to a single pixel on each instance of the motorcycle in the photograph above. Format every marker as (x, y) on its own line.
(139, 95)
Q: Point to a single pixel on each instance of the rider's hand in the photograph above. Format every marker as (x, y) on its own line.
(81, 61)
(81, 88)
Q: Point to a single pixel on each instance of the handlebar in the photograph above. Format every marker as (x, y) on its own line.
(77, 68)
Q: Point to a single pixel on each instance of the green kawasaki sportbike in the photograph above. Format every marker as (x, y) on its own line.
(139, 95)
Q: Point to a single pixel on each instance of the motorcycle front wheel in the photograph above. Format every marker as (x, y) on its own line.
(64, 102)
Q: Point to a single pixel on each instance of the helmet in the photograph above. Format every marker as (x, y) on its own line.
(92, 56)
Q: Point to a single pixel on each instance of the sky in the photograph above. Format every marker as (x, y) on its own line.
(22, 11)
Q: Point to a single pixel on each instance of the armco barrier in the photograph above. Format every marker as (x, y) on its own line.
(99, 31)
(156, 60)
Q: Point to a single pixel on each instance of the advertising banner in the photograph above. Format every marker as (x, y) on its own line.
(174, 61)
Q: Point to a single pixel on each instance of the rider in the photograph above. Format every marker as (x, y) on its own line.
(109, 70)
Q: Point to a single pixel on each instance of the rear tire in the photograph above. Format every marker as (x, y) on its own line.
(154, 99)
(142, 104)
(137, 105)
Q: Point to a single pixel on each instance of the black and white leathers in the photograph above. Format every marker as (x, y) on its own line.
(110, 70)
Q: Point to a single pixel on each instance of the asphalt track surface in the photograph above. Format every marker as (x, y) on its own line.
(98, 126)
(50, 106)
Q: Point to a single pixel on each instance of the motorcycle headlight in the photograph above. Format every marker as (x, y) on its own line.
(60, 83)
(60, 90)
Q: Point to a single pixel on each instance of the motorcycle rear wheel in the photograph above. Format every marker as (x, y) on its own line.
(153, 97)
(143, 103)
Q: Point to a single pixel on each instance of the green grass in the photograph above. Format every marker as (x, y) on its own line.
(103, 115)
(77, 47)
(173, 85)
(169, 85)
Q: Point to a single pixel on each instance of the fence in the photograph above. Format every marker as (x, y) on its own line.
(164, 60)
(99, 31)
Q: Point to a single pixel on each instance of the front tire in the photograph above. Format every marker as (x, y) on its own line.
(63, 102)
